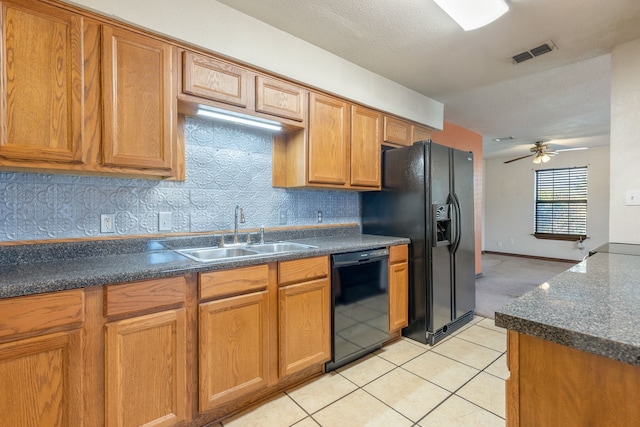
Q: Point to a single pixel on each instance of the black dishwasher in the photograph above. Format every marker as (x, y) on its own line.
(360, 304)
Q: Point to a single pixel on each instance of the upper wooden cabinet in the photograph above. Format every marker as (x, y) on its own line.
(138, 98)
(366, 127)
(328, 140)
(280, 98)
(80, 97)
(399, 132)
(41, 106)
(341, 148)
(211, 81)
(214, 79)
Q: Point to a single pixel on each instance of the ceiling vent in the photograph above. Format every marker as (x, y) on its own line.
(532, 53)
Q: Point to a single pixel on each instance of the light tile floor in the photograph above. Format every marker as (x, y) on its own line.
(458, 382)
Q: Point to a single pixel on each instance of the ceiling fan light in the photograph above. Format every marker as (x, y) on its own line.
(537, 159)
(472, 14)
(545, 158)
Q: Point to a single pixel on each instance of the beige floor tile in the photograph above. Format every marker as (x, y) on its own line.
(486, 337)
(320, 392)
(401, 351)
(499, 368)
(307, 422)
(407, 393)
(467, 352)
(486, 391)
(457, 412)
(490, 324)
(441, 370)
(280, 411)
(366, 369)
(360, 409)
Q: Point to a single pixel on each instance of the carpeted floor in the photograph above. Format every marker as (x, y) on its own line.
(505, 278)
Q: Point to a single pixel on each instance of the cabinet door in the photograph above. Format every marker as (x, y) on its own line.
(233, 348)
(398, 296)
(214, 79)
(328, 140)
(304, 328)
(41, 83)
(279, 98)
(41, 381)
(139, 100)
(397, 131)
(365, 147)
(421, 134)
(145, 370)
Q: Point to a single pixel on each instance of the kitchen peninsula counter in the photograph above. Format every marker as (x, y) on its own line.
(574, 346)
(33, 269)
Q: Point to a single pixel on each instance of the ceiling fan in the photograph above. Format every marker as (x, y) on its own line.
(541, 152)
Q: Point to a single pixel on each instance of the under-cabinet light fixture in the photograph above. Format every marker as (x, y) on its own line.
(472, 14)
(239, 119)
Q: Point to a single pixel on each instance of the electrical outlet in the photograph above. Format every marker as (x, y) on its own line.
(319, 216)
(107, 223)
(282, 216)
(164, 221)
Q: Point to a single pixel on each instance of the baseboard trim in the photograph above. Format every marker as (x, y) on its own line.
(572, 261)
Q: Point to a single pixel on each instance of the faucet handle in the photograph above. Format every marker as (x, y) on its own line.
(261, 235)
(248, 238)
(221, 245)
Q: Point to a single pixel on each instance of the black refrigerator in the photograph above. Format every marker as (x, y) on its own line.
(427, 196)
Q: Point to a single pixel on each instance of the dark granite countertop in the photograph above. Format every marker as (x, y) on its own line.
(41, 268)
(593, 307)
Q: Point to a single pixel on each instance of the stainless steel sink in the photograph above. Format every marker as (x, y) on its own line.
(281, 247)
(211, 254)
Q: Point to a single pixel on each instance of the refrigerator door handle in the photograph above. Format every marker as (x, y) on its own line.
(455, 222)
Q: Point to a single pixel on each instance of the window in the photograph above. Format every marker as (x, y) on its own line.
(561, 203)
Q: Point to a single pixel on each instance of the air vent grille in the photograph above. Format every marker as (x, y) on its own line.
(532, 53)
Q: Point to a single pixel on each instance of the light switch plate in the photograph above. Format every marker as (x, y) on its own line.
(282, 216)
(632, 198)
(164, 221)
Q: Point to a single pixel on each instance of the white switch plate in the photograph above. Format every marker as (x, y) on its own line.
(164, 221)
(632, 198)
(282, 216)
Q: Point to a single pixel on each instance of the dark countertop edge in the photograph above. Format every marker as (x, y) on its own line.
(327, 245)
(610, 349)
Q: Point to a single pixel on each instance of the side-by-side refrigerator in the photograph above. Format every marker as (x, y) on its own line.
(427, 196)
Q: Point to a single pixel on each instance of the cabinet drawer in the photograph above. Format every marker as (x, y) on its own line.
(40, 312)
(303, 269)
(214, 79)
(398, 253)
(140, 296)
(236, 281)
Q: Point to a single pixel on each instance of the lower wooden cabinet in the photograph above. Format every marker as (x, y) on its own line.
(145, 370)
(398, 287)
(233, 348)
(304, 325)
(41, 370)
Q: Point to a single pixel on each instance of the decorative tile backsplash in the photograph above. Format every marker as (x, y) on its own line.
(227, 165)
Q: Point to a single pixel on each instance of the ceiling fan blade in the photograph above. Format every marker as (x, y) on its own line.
(519, 158)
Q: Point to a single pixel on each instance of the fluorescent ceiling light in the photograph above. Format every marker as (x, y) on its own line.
(228, 116)
(472, 14)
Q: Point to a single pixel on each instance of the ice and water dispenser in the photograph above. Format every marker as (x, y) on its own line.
(442, 227)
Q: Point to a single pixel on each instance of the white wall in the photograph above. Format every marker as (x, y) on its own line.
(509, 205)
(217, 27)
(624, 221)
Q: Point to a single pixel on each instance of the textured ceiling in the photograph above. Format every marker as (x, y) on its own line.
(562, 96)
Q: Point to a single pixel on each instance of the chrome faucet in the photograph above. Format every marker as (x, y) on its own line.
(235, 228)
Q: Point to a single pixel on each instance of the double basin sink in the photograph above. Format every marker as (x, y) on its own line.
(210, 254)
